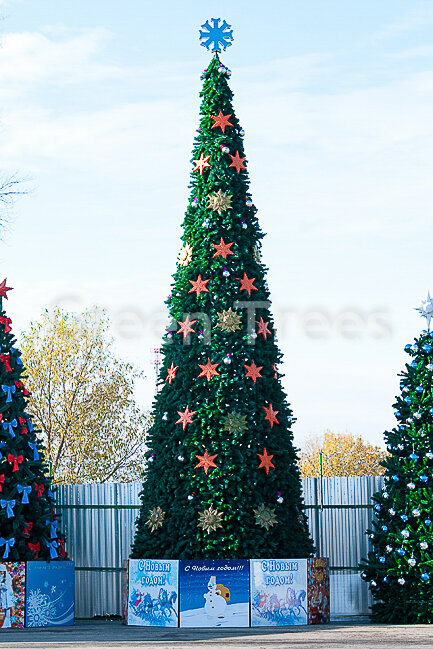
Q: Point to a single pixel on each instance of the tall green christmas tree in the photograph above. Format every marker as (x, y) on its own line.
(399, 567)
(222, 477)
(29, 527)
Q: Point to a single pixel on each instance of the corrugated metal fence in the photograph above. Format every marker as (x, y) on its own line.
(99, 522)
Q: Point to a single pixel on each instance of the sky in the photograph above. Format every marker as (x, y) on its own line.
(99, 105)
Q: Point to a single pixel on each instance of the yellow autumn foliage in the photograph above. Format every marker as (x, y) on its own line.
(343, 454)
(82, 399)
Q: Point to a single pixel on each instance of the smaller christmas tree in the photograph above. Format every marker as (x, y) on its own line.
(28, 522)
(399, 567)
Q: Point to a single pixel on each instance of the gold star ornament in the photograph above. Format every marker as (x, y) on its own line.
(229, 320)
(265, 516)
(220, 201)
(210, 519)
(185, 256)
(156, 519)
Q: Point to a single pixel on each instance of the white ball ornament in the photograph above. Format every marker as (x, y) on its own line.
(280, 500)
(401, 581)
(405, 534)
(165, 416)
(411, 485)
(190, 497)
(181, 458)
(388, 548)
(423, 545)
(412, 562)
(416, 513)
(227, 360)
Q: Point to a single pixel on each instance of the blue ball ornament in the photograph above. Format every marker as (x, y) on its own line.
(414, 364)
(384, 528)
(427, 348)
(413, 457)
(423, 478)
(404, 518)
(430, 412)
(419, 389)
(407, 347)
(427, 522)
(395, 478)
(382, 559)
(425, 576)
(401, 552)
(408, 400)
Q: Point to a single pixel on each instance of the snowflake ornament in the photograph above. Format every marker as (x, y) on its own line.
(210, 520)
(214, 37)
(156, 518)
(426, 309)
(265, 516)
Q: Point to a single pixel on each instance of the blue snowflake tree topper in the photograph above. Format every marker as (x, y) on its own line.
(214, 37)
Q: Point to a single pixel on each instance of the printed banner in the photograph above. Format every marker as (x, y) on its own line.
(50, 592)
(278, 592)
(12, 593)
(153, 591)
(214, 593)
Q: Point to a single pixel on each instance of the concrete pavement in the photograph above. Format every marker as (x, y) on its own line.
(107, 635)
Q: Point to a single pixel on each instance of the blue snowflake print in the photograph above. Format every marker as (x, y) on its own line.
(216, 34)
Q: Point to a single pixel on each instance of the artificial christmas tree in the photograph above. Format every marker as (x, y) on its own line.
(29, 526)
(222, 478)
(399, 567)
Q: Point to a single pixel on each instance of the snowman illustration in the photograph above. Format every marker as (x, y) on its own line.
(7, 598)
(216, 599)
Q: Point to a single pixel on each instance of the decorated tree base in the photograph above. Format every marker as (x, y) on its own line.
(12, 594)
(289, 592)
(150, 593)
(50, 593)
(225, 594)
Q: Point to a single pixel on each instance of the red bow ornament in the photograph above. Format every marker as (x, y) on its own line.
(28, 528)
(35, 547)
(6, 322)
(62, 547)
(5, 358)
(20, 384)
(39, 488)
(16, 460)
(2, 480)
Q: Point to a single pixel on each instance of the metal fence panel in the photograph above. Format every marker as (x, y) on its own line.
(99, 521)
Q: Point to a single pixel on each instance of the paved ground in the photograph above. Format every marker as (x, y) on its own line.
(106, 635)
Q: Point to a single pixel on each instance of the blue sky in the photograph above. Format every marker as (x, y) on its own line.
(99, 108)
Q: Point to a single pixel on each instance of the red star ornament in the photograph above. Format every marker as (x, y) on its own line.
(223, 249)
(209, 370)
(185, 327)
(4, 288)
(237, 162)
(271, 415)
(221, 120)
(201, 163)
(185, 418)
(171, 373)
(206, 461)
(199, 285)
(266, 461)
(247, 284)
(253, 372)
(263, 328)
